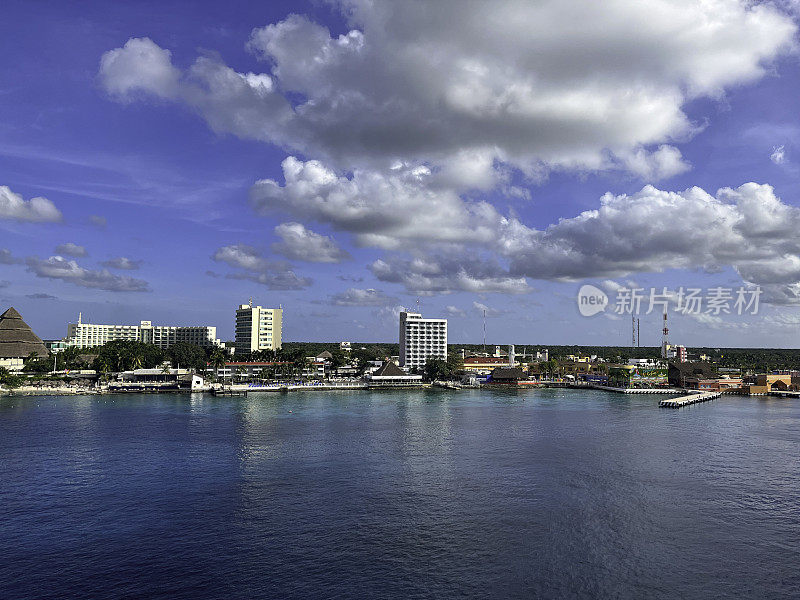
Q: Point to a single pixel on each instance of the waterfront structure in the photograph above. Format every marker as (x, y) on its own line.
(258, 328)
(625, 376)
(421, 339)
(390, 375)
(17, 341)
(87, 335)
(484, 364)
(509, 376)
(679, 372)
(715, 384)
(580, 366)
(156, 380)
(250, 370)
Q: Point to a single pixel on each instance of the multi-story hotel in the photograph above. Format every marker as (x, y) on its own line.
(86, 335)
(421, 339)
(258, 328)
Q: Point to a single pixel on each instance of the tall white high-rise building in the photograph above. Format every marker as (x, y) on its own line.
(258, 328)
(421, 339)
(86, 335)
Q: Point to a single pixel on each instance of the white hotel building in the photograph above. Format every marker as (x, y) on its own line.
(258, 328)
(421, 339)
(86, 335)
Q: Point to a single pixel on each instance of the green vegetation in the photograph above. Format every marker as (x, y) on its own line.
(10, 380)
(444, 370)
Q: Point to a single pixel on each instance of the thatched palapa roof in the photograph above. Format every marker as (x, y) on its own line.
(17, 339)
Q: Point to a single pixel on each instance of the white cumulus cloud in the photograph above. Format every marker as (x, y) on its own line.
(71, 249)
(35, 210)
(57, 267)
(362, 297)
(538, 85)
(122, 263)
(300, 243)
(276, 275)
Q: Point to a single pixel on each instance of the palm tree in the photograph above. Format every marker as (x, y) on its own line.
(103, 366)
(218, 360)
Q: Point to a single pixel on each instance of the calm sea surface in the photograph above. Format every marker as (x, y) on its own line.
(412, 494)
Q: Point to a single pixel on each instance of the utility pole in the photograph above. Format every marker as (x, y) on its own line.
(638, 333)
(484, 331)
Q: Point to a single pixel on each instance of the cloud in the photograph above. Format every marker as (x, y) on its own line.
(71, 249)
(276, 275)
(454, 311)
(350, 278)
(98, 221)
(748, 228)
(35, 210)
(385, 210)
(442, 272)
(40, 296)
(7, 258)
(123, 263)
(140, 66)
(483, 309)
(539, 86)
(664, 163)
(300, 243)
(388, 314)
(243, 257)
(778, 155)
(359, 297)
(57, 267)
(4, 283)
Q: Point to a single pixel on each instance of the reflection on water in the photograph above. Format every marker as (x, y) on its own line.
(486, 494)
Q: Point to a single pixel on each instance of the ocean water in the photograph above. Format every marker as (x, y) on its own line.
(407, 494)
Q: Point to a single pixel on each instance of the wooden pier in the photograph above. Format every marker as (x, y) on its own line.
(689, 399)
(228, 392)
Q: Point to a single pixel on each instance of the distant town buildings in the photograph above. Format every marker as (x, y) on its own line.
(674, 353)
(17, 341)
(258, 328)
(86, 335)
(421, 339)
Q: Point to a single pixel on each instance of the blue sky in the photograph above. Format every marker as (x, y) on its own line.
(346, 159)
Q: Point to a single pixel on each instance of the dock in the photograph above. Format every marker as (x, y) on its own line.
(632, 390)
(785, 394)
(689, 399)
(228, 392)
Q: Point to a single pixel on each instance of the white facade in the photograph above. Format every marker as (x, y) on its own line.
(258, 328)
(86, 335)
(421, 339)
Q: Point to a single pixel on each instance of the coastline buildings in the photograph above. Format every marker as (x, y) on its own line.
(86, 335)
(421, 339)
(258, 328)
(17, 341)
(674, 353)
